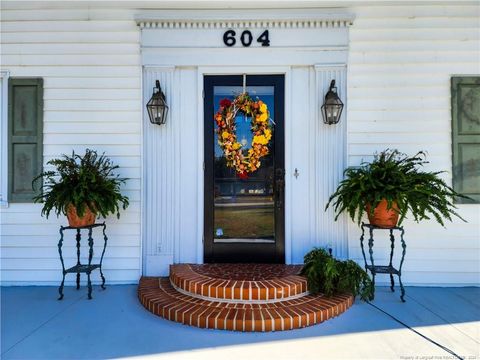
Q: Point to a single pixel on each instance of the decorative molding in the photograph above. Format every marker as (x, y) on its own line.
(215, 19)
(239, 24)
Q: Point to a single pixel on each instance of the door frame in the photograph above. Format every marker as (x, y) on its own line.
(261, 252)
(240, 70)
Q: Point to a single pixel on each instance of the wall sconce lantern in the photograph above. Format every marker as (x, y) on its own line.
(332, 107)
(157, 106)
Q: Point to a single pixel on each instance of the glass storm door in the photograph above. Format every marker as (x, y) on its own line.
(244, 218)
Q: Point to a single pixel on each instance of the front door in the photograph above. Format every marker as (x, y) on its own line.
(244, 217)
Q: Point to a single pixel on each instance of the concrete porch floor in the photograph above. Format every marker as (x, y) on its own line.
(34, 325)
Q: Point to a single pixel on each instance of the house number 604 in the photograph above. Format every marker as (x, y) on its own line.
(246, 38)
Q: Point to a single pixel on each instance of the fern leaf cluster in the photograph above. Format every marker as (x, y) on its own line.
(396, 177)
(83, 181)
(330, 276)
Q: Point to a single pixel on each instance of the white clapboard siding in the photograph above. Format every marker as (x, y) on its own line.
(33, 217)
(89, 94)
(400, 62)
(104, 73)
(111, 150)
(116, 83)
(66, 14)
(112, 116)
(67, 37)
(64, 26)
(54, 277)
(46, 241)
(78, 127)
(46, 229)
(90, 62)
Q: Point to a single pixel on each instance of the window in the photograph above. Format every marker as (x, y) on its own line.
(466, 136)
(25, 135)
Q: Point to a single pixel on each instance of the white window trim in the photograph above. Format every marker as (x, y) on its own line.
(4, 74)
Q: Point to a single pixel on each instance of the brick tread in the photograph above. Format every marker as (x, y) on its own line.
(160, 297)
(239, 282)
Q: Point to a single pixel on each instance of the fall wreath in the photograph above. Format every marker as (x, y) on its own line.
(242, 160)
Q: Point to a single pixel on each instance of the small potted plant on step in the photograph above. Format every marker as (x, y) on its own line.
(391, 186)
(82, 188)
(331, 276)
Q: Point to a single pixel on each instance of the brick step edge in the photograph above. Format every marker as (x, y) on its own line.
(185, 278)
(159, 297)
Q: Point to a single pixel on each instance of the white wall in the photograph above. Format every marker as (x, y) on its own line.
(400, 62)
(90, 62)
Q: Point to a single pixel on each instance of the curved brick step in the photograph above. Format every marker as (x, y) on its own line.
(160, 297)
(258, 282)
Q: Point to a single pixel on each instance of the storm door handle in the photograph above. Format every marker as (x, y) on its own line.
(279, 187)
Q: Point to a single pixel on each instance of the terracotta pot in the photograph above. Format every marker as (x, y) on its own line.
(74, 220)
(383, 217)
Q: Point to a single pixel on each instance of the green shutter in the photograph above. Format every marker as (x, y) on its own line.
(466, 136)
(25, 140)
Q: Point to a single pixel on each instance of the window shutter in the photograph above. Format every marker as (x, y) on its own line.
(25, 127)
(466, 136)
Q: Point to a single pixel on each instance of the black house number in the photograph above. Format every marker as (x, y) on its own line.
(246, 38)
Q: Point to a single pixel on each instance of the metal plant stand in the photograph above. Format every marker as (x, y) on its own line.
(82, 268)
(382, 269)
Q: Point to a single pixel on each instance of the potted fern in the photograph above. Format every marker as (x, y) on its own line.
(391, 186)
(331, 276)
(82, 188)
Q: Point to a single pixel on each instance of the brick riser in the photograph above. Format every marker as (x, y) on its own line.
(160, 298)
(191, 279)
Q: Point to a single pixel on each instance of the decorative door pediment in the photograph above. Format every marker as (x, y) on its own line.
(203, 38)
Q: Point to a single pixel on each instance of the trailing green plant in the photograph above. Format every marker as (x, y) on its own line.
(396, 177)
(330, 276)
(82, 181)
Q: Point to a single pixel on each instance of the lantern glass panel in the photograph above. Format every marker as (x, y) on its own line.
(157, 109)
(331, 112)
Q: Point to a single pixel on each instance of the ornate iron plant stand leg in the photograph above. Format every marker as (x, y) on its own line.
(382, 269)
(404, 250)
(105, 239)
(361, 246)
(370, 251)
(60, 243)
(78, 257)
(89, 269)
(79, 267)
(392, 247)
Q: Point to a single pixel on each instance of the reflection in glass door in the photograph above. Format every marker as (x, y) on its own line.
(244, 216)
(244, 208)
